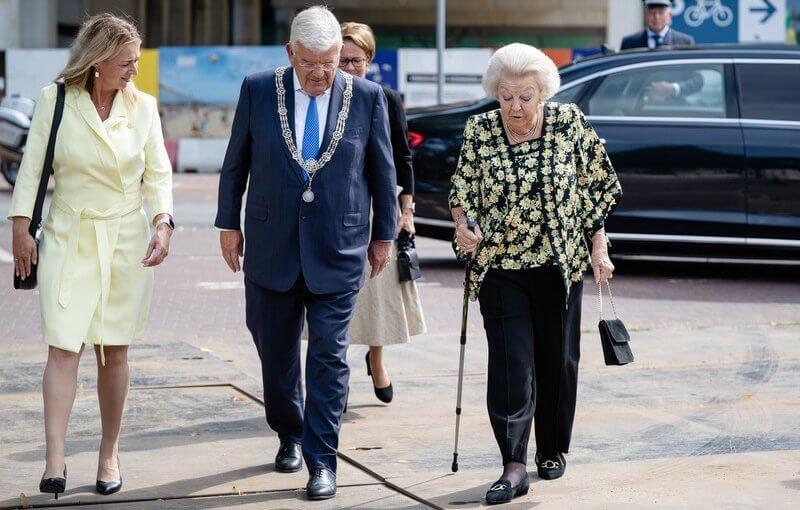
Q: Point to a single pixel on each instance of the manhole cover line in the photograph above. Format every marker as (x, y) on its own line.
(349, 460)
(123, 501)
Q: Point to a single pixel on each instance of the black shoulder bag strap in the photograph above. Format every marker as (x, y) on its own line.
(47, 168)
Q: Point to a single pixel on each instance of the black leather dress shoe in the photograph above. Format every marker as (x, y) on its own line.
(552, 467)
(108, 488)
(386, 394)
(55, 485)
(289, 458)
(502, 491)
(321, 484)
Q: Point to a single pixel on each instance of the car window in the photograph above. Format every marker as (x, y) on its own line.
(568, 95)
(770, 91)
(695, 90)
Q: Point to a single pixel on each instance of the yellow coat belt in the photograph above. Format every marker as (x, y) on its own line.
(104, 250)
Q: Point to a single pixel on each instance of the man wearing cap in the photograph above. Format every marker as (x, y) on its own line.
(658, 15)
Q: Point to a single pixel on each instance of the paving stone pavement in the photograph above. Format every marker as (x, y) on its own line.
(705, 418)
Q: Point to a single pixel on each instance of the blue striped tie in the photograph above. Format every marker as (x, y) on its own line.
(311, 133)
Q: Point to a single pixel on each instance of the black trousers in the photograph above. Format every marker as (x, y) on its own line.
(534, 348)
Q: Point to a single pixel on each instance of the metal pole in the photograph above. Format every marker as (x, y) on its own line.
(440, 33)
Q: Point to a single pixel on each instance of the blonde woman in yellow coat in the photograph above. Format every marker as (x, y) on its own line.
(95, 262)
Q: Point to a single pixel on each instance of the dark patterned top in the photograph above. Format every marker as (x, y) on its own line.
(522, 243)
(571, 188)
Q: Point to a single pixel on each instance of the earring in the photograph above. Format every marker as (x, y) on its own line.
(97, 74)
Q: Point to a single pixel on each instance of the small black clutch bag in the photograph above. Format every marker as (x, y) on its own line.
(35, 229)
(613, 334)
(407, 259)
(30, 282)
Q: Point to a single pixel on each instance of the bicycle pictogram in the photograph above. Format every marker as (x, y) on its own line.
(697, 14)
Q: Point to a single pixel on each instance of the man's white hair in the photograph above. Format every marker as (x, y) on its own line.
(515, 60)
(316, 28)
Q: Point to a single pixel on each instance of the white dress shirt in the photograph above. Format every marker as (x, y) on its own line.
(651, 43)
(301, 102)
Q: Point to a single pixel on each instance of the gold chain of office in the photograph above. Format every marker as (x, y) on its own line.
(311, 165)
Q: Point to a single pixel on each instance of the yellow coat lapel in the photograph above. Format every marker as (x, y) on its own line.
(119, 113)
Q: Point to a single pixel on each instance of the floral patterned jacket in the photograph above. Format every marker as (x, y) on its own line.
(577, 184)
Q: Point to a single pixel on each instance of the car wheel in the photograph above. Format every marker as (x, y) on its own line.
(10, 171)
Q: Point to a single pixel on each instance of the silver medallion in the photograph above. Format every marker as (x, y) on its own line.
(308, 196)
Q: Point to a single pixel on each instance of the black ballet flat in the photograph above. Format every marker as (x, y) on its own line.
(386, 394)
(502, 491)
(552, 467)
(55, 485)
(108, 488)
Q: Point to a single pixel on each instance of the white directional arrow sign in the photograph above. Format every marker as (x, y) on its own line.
(762, 20)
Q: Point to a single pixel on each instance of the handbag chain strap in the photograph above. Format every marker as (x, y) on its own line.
(600, 300)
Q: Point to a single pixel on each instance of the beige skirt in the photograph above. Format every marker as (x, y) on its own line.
(388, 312)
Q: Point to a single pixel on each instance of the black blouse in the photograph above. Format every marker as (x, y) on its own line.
(398, 131)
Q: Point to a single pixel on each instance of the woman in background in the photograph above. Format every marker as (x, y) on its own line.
(396, 303)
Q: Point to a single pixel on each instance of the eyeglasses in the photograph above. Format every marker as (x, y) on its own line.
(357, 62)
(309, 66)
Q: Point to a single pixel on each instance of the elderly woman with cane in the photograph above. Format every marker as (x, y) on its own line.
(536, 179)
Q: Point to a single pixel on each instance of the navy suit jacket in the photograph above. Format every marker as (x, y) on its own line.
(325, 240)
(672, 38)
(690, 82)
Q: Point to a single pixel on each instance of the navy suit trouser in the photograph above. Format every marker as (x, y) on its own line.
(275, 319)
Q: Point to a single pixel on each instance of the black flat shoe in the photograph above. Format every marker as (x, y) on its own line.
(551, 468)
(321, 484)
(289, 458)
(502, 491)
(386, 394)
(55, 485)
(112, 487)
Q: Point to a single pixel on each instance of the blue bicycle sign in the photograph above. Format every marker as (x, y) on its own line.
(697, 14)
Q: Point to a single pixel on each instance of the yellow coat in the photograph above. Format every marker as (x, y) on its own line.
(93, 288)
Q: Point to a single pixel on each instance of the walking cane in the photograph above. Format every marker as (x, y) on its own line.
(465, 308)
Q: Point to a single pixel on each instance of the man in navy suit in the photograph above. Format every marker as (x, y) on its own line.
(312, 147)
(658, 17)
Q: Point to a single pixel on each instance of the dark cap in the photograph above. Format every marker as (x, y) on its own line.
(658, 3)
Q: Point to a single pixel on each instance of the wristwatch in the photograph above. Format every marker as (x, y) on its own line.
(168, 221)
(411, 207)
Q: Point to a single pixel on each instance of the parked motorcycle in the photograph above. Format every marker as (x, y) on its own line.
(16, 113)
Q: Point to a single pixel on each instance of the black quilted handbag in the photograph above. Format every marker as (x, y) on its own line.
(613, 334)
(407, 259)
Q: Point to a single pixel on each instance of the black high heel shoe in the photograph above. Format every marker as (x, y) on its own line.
(108, 488)
(386, 394)
(55, 485)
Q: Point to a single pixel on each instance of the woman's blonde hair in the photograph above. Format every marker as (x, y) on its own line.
(361, 35)
(100, 38)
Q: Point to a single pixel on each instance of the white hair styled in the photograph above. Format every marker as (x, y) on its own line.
(316, 28)
(516, 60)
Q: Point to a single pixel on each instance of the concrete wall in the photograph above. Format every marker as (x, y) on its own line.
(483, 13)
(28, 23)
(624, 17)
